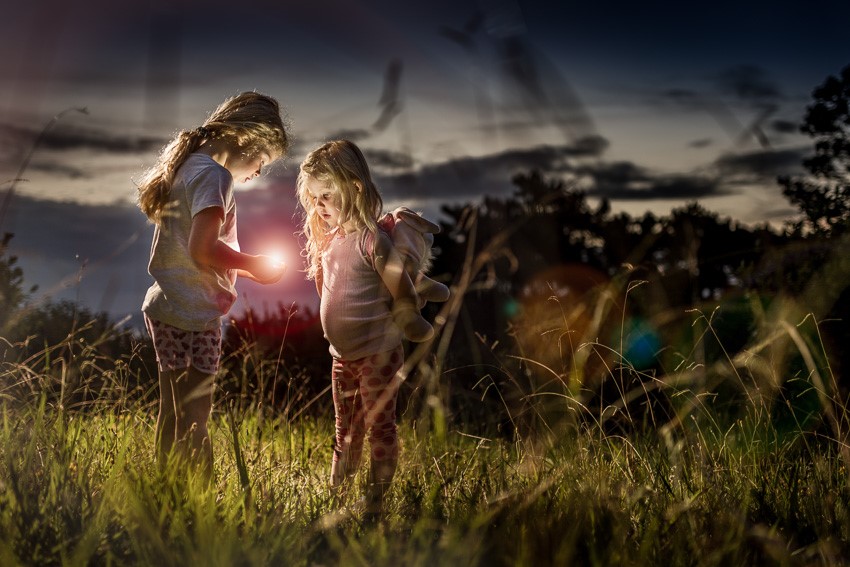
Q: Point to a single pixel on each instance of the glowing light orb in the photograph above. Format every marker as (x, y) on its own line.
(276, 257)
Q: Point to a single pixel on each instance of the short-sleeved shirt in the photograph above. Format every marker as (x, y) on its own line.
(185, 295)
(356, 306)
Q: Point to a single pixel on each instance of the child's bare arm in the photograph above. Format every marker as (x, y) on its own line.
(390, 266)
(206, 249)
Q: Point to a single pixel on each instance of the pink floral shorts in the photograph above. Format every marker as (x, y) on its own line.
(177, 349)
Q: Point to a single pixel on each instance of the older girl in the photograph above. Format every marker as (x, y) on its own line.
(195, 258)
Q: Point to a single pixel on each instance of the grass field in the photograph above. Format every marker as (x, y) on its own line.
(566, 484)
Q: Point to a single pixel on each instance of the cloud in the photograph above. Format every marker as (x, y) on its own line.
(761, 166)
(57, 168)
(64, 137)
(355, 135)
(469, 178)
(628, 182)
(90, 231)
(387, 160)
(67, 137)
(96, 255)
(701, 143)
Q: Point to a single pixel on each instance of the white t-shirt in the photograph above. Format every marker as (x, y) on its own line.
(184, 294)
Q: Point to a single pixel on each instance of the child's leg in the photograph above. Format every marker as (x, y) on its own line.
(185, 404)
(187, 363)
(169, 367)
(166, 420)
(379, 390)
(193, 398)
(348, 446)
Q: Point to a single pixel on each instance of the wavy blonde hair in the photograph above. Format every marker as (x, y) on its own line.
(341, 166)
(249, 121)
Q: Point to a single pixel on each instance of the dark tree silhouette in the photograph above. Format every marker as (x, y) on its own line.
(12, 292)
(565, 273)
(824, 194)
(814, 262)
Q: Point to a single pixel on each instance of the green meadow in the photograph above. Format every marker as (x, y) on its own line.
(709, 465)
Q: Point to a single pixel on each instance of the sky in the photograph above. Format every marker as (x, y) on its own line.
(650, 105)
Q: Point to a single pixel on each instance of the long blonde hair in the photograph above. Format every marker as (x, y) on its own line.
(339, 164)
(249, 121)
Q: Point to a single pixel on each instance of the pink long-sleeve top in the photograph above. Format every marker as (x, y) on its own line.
(356, 306)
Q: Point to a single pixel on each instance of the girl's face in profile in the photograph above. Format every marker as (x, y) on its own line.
(325, 200)
(245, 166)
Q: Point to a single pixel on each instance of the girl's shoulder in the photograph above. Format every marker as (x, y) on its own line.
(198, 160)
(201, 173)
(201, 166)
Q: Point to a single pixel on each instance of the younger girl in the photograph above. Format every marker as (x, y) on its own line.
(358, 276)
(195, 258)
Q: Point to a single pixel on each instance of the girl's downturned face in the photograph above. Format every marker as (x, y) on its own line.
(325, 200)
(246, 166)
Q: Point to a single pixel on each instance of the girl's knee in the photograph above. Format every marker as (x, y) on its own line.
(385, 452)
(383, 439)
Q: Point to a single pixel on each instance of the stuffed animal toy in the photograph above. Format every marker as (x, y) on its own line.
(413, 237)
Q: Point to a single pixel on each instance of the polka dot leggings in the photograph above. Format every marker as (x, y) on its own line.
(364, 394)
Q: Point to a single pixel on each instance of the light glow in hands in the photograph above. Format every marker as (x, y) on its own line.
(277, 258)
